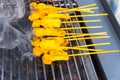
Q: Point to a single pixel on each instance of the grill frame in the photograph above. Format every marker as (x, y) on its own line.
(90, 71)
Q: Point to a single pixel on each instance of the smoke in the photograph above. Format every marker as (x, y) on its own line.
(10, 36)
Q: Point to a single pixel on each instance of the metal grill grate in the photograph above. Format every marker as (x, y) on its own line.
(77, 68)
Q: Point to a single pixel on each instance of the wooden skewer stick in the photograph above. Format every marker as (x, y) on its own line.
(87, 27)
(78, 35)
(93, 8)
(89, 5)
(76, 9)
(79, 27)
(85, 34)
(79, 48)
(88, 15)
(81, 21)
(81, 7)
(96, 37)
(97, 44)
(98, 52)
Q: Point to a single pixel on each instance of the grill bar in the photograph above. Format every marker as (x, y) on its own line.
(76, 66)
(53, 73)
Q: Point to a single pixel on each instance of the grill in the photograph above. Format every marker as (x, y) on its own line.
(13, 67)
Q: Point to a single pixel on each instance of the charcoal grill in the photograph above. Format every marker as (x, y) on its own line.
(77, 68)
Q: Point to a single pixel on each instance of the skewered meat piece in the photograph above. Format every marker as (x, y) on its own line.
(50, 45)
(50, 23)
(37, 51)
(36, 23)
(58, 16)
(44, 45)
(58, 40)
(47, 23)
(48, 14)
(37, 15)
(61, 41)
(42, 6)
(35, 42)
(55, 55)
(40, 32)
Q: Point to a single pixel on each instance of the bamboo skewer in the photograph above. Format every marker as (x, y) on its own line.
(79, 48)
(86, 27)
(81, 9)
(85, 34)
(81, 21)
(78, 35)
(77, 27)
(93, 8)
(90, 53)
(81, 35)
(88, 15)
(89, 5)
(76, 9)
(85, 38)
(97, 44)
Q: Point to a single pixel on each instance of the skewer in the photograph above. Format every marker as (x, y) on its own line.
(96, 37)
(90, 53)
(81, 21)
(79, 48)
(81, 9)
(79, 27)
(97, 44)
(89, 5)
(76, 9)
(76, 35)
(85, 34)
(92, 8)
(88, 15)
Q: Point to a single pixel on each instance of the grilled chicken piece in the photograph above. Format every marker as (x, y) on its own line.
(47, 23)
(42, 6)
(37, 51)
(50, 23)
(58, 16)
(55, 55)
(40, 32)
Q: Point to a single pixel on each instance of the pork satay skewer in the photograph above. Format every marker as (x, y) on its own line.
(61, 55)
(78, 35)
(50, 23)
(97, 52)
(73, 35)
(43, 6)
(67, 16)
